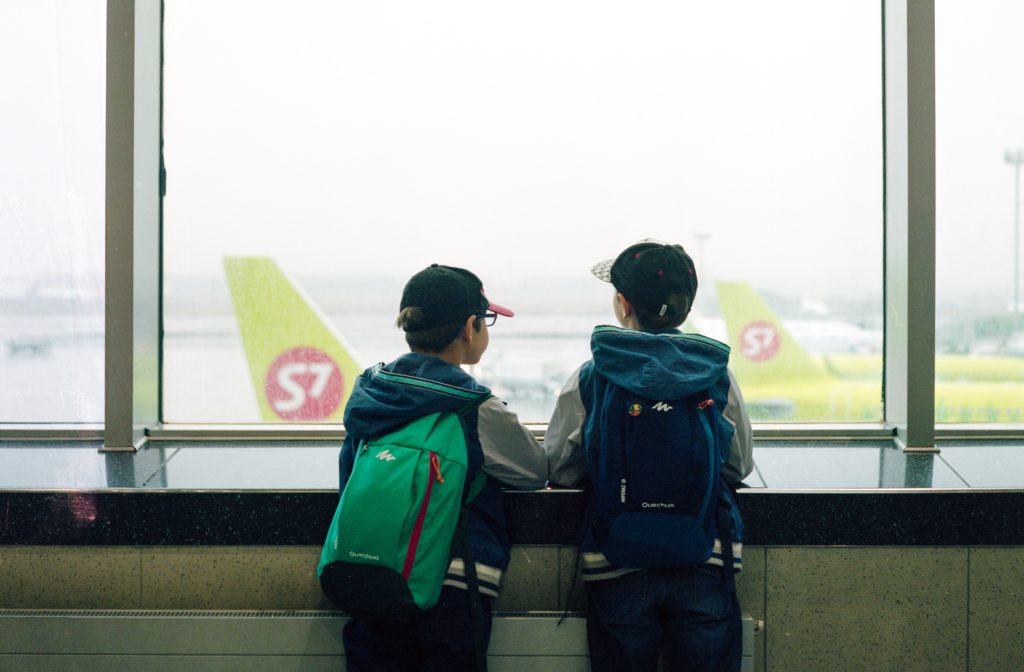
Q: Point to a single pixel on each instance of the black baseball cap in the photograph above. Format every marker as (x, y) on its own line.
(446, 295)
(648, 272)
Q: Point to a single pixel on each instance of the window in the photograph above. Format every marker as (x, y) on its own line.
(51, 211)
(356, 144)
(980, 152)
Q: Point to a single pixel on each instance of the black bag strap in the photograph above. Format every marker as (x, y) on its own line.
(725, 535)
(476, 607)
(588, 520)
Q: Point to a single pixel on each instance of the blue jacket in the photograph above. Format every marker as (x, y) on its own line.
(662, 365)
(385, 397)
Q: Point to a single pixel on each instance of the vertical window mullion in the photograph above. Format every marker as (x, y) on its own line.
(132, 222)
(910, 222)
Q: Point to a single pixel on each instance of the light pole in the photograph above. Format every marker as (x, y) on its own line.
(1016, 159)
(702, 238)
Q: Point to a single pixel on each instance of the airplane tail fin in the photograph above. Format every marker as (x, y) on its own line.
(302, 370)
(763, 351)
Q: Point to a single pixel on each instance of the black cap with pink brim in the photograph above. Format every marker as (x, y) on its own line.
(446, 295)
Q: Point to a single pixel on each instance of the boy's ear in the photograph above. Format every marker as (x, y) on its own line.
(627, 307)
(467, 329)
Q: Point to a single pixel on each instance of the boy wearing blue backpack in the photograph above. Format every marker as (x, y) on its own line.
(445, 316)
(656, 426)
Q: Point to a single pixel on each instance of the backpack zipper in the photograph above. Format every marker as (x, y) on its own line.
(435, 467)
(702, 408)
(417, 530)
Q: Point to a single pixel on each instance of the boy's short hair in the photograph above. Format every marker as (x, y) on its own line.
(679, 309)
(657, 278)
(431, 339)
(436, 303)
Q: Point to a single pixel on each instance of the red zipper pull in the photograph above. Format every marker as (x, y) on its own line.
(705, 404)
(435, 464)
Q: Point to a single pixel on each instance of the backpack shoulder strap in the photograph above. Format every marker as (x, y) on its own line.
(479, 479)
(473, 404)
(586, 383)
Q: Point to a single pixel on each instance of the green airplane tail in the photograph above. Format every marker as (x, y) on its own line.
(302, 370)
(763, 351)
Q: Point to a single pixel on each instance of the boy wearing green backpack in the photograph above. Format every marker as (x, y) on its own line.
(426, 454)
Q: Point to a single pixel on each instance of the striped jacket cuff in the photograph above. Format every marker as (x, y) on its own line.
(596, 567)
(488, 578)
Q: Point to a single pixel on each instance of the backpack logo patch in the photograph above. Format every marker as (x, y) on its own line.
(385, 456)
(634, 410)
(662, 406)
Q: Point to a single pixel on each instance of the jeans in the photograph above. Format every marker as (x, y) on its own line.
(441, 639)
(688, 615)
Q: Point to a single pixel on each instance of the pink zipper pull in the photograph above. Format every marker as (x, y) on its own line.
(435, 465)
(705, 404)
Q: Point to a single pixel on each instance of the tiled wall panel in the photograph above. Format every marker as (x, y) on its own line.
(997, 608)
(69, 577)
(868, 608)
(849, 608)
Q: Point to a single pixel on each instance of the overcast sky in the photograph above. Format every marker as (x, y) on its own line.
(535, 137)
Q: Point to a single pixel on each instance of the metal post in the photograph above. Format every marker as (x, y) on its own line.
(909, 146)
(120, 212)
(132, 223)
(1016, 159)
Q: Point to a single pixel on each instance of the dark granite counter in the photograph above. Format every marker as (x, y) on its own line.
(163, 517)
(283, 494)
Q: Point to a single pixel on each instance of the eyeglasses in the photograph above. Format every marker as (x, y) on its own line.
(488, 318)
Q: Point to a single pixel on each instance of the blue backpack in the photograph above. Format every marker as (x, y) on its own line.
(656, 470)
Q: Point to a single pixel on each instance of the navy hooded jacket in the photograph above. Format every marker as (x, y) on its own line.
(661, 365)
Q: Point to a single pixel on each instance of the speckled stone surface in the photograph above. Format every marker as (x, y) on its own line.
(531, 582)
(69, 577)
(545, 516)
(49, 663)
(750, 582)
(234, 577)
(246, 518)
(750, 589)
(997, 608)
(569, 573)
(871, 609)
(826, 608)
(885, 518)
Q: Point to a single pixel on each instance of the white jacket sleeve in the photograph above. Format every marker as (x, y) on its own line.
(564, 438)
(741, 456)
(511, 454)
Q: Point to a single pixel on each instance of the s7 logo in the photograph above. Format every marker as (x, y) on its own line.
(759, 341)
(304, 384)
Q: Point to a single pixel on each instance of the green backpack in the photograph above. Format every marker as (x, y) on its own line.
(390, 543)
